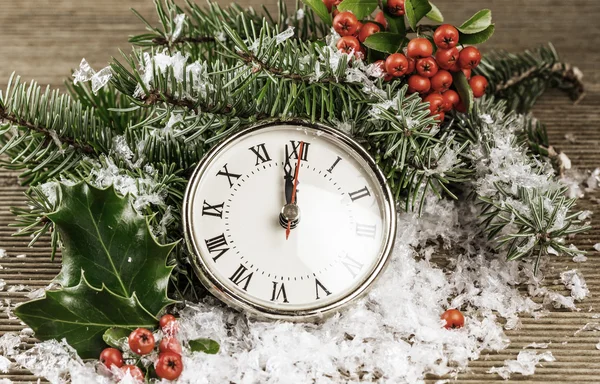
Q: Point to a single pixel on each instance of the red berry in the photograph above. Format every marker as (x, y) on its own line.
(348, 44)
(396, 7)
(451, 100)
(412, 63)
(427, 67)
(110, 357)
(442, 81)
(331, 3)
(380, 18)
(381, 65)
(439, 116)
(461, 107)
(418, 83)
(478, 85)
(141, 341)
(388, 77)
(436, 103)
(168, 324)
(169, 365)
(445, 36)
(469, 58)
(419, 47)
(467, 73)
(134, 371)
(367, 30)
(396, 64)
(447, 58)
(454, 319)
(169, 344)
(345, 23)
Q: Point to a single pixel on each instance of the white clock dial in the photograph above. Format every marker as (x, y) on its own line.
(235, 225)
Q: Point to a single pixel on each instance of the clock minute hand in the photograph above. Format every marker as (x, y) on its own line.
(289, 223)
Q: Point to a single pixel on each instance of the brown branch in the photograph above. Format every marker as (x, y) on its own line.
(85, 148)
(188, 39)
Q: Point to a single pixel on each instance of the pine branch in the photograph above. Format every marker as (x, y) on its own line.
(522, 78)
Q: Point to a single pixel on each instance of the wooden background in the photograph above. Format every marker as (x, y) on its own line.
(44, 40)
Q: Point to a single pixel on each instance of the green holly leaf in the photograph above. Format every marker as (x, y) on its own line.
(477, 23)
(464, 89)
(384, 42)
(477, 38)
(320, 9)
(360, 8)
(416, 10)
(115, 337)
(81, 314)
(435, 14)
(104, 236)
(204, 345)
(396, 24)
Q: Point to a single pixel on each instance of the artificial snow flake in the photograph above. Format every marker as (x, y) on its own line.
(84, 73)
(589, 327)
(524, 364)
(285, 35)
(536, 345)
(597, 247)
(87, 73)
(576, 283)
(101, 78)
(2, 253)
(179, 20)
(4, 364)
(2, 284)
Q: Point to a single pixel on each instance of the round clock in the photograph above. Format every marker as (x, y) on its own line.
(288, 220)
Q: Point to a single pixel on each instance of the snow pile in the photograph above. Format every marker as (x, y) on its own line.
(524, 364)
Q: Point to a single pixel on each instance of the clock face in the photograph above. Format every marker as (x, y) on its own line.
(288, 220)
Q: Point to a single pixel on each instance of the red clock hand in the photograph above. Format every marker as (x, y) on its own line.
(289, 223)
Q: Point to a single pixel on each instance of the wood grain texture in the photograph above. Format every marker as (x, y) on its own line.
(44, 40)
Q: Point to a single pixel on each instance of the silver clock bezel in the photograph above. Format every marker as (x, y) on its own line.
(213, 284)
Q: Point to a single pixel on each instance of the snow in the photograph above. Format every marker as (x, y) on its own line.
(574, 281)
(524, 364)
(597, 247)
(4, 364)
(86, 73)
(179, 20)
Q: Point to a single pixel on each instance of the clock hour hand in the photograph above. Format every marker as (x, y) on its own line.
(289, 178)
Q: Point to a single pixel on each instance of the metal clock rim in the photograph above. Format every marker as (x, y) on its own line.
(226, 295)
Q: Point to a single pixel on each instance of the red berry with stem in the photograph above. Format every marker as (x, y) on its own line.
(447, 58)
(367, 30)
(467, 73)
(168, 324)
(141, 341)
(469, 58)
(427, 67)
(478, 84)
(445, 36)
(169, 344)
(396, 64)
(418, 48)
(451, 100)
(436, 103)
(454, 319)
(110, 357)
(380, 18)
(442, 81)
(345, 23)
(396, 7)
(419, 84)
(348, 44)
(134, 371)
(169, 365)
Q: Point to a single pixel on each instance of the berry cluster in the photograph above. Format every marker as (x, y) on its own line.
(427, 71)
(142, 342)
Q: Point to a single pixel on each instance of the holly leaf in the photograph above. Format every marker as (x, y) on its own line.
(477, 38)
(81, 314)
(464, 89)
(477, 23)
(435, 14)
(360, 8)
(320, 9)
(104, 236)
(116, 336)
(204, 345)
(416, 10)
(396, 24)
(384, 42)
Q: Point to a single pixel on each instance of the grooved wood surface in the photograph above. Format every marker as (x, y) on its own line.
(43, 40)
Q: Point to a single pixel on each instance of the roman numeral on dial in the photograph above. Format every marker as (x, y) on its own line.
(279, 292)
(212, 210)
(241, 277)
(322, 288)
(334, 164)
(296, 148)
(363, 192)
(262, 156)
(352, 265)
(229, 175)
(366, 230)
(217, 245)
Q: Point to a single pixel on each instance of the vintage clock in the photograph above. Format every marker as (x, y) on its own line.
(289, 220)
